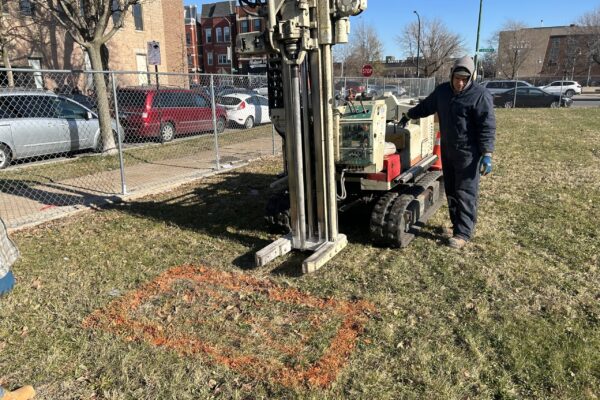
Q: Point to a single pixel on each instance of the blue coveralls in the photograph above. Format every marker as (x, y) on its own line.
(468, 130)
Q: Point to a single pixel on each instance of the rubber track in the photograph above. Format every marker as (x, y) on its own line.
(393, 230)
(379, 217)
(395, 221)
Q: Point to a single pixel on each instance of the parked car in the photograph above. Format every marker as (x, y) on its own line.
(166, 113)
(246, 109)
(530, 97)
(37, 123)
(263, 91)
(343, 86)
(567, 88)
(500, 86)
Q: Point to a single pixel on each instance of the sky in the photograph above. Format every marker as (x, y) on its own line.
(388, 17)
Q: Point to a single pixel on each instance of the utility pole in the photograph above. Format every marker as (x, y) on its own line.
(418, 40)
(477, 42)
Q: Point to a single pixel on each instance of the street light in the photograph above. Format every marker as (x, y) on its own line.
(418, 41)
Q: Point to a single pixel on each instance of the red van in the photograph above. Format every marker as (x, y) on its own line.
(165, 113)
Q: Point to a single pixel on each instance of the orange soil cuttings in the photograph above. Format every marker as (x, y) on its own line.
(118, 317)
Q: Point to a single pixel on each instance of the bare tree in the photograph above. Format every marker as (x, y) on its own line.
(364, 47)
(589, 26)
(488, 62)
(438, 44)
(514, 48)
(89, 24)
(9, 31)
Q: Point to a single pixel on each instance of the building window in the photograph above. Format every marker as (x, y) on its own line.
(223, 59)
(554, 50)
(244, 26)
(136, 10)
(190, 58)
(219, 34)
(188, 38)
(226, 34)
(116, 12)
(26, 7)
(208, 35)
(256, 25)
(209, 58)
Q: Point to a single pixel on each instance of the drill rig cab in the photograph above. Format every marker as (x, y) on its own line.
(335, 156)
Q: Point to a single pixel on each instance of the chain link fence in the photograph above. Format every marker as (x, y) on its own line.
(400, 87)
(75, 138)
(78, 138)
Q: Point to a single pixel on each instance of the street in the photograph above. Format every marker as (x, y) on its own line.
(586, 100)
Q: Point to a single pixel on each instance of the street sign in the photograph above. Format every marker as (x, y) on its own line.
(486, 50)
(367, 70)
(153, 53)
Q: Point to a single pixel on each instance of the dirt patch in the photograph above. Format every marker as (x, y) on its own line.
(251, 325)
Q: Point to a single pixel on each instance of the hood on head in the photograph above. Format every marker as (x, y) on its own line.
(463, 63)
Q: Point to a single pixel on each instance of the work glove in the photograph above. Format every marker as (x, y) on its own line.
(485, 164)
(403, 121)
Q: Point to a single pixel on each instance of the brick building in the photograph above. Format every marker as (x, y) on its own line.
(193, 40)
(221, 22)
(36, 41)
(218, 35)
(566, 57)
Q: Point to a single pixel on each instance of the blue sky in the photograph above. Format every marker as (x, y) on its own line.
(388, 17)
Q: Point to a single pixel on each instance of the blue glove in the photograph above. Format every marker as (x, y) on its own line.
(404, 121)
(485, 164)
(6, 283)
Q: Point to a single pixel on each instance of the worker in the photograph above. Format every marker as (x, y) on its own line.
(468, 133)
(8, 255)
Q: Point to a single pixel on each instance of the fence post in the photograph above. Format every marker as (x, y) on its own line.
(214, 118)
(273, 136)
(119, 141)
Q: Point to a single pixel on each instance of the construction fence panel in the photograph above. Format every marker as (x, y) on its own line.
(160, 128)
(52, 151)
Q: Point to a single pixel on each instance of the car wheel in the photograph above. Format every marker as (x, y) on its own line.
(249, 123)
(167, 132)
(221, 125)
(569, 93)
(508, 104)
(554, 104)
(5, 156)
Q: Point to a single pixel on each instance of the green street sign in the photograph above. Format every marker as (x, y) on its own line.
(486, 50)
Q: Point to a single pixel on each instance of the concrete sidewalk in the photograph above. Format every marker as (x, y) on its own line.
(29, 205)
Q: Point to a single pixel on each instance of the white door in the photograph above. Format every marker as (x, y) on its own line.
(142, 65)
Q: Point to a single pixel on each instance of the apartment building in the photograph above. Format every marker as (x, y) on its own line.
(193, 40)
(34, 40)
(218, 22)
(221, 22)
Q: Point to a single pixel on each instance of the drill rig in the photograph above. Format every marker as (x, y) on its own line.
(356, 146)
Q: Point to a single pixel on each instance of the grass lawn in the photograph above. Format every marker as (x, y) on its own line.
(100, 313)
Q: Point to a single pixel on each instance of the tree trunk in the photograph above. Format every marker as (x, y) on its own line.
(6, 61)
(106, 129)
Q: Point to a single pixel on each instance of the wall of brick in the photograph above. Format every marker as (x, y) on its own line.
(43, 39)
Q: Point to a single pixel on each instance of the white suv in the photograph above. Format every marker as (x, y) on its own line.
(499, 86)
(569, 88)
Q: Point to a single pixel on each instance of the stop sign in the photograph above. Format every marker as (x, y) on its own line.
(367, 70)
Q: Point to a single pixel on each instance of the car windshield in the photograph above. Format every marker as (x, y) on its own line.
(131, 98)
(230, 101)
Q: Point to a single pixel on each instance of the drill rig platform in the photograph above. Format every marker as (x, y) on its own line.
(336, 156)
